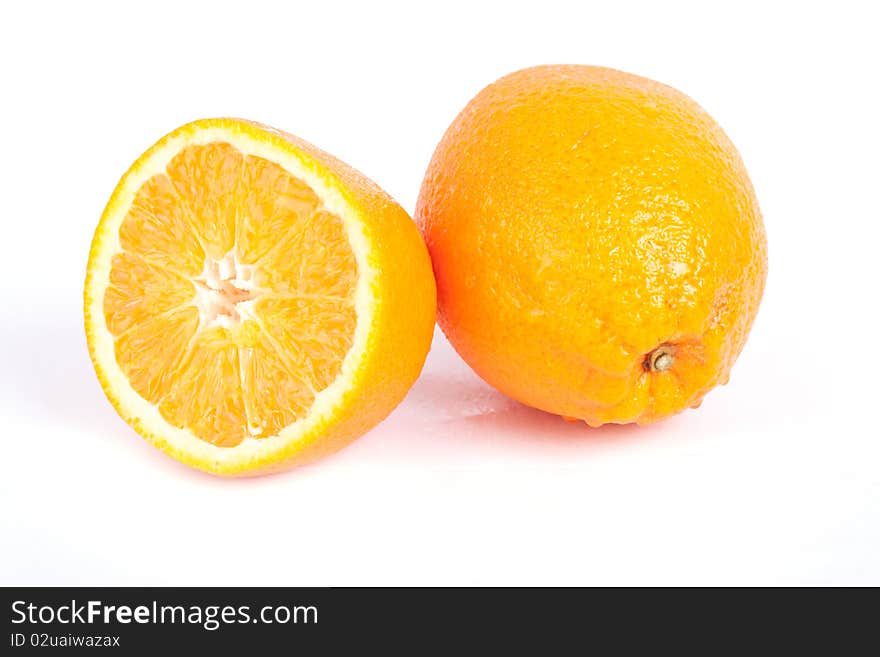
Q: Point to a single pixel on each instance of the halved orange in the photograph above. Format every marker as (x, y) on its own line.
(252, 303)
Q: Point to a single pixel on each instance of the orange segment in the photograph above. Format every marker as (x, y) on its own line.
(273, 208)
(139, 290)
(277, 391)
(316, 329)
(312, 261)
(149, 352)
(156, 227)
(206, 396)
(205, 178)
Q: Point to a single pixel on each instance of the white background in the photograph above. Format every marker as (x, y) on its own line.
(775, 480)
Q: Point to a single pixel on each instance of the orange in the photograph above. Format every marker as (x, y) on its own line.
(597, 245)
(251, 302)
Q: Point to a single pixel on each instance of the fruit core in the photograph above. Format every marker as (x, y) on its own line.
(225, 292)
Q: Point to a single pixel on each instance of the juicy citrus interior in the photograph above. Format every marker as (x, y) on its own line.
(232, 299)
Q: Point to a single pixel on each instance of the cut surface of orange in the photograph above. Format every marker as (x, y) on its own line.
(252, 303)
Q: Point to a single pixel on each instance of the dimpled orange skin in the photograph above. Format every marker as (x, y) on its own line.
(597, 244)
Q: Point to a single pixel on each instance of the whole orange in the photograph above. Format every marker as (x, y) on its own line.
(597, 244)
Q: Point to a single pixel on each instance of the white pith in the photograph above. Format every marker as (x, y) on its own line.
(225, 292)
(135, 407)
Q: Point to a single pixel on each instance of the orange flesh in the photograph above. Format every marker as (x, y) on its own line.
(232, 300)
